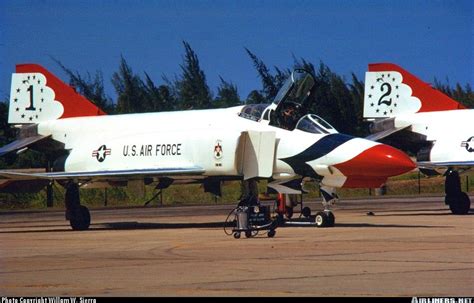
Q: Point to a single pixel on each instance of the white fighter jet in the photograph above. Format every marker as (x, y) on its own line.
(279, 142)
(408, 113)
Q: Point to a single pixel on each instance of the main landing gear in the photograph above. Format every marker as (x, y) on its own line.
(77, 214)
(458, 201)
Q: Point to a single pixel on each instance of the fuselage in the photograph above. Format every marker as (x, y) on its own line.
(212, 140)
(450, 131)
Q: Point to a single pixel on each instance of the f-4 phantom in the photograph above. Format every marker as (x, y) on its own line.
(408, 113)
(280, 142)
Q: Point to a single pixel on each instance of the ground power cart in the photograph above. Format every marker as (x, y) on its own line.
(250, 220)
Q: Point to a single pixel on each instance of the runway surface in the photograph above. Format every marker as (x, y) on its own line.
(409, 247)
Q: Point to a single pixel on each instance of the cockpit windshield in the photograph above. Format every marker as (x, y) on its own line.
(315, 124)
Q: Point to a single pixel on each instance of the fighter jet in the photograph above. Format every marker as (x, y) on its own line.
(408, 113)
(280, 142)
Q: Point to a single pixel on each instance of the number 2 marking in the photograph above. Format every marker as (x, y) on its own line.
(31, 107)
(389, 90)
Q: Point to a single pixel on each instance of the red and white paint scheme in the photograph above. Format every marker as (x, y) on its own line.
(410, 114)
(279, 142)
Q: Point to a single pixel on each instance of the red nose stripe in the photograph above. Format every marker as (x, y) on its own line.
(378, 161)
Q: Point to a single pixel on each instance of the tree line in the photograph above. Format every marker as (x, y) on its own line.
(336, 99)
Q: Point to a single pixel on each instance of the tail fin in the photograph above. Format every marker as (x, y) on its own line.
(390, 91)
(37, 96)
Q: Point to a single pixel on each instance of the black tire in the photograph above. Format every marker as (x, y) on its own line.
(271, 233)
(248, 233)
(320, 219)
(306, 212)
(81, 219)
(237, 235)
(331, 219)
(459, 204)
(324, 219)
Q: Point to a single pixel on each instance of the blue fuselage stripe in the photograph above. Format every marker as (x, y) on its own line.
(319, 149)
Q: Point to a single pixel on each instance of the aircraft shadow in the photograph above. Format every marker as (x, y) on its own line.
(145, 225)
(419, 214)
(385, 225)
(142, 226)
(355, 225)
(119, 226)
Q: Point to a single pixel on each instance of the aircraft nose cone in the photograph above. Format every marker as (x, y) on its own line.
(380, 160)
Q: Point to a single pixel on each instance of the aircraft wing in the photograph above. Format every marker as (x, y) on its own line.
(446, 164)
(101, 175)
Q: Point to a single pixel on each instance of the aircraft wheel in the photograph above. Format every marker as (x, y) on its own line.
(306, 212)
(271, 233)
(81, 219)
(331, 219)
(325, 219)
(321, 219)
(237, 235)
(459, 204)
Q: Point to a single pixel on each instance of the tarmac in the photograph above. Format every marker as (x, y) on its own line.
(409, 247)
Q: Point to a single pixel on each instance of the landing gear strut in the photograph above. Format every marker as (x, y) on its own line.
(77, 214)
(326, 218)
(458, 201)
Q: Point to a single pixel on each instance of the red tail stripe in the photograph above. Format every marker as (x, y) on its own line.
(431, 99)
(74, 104)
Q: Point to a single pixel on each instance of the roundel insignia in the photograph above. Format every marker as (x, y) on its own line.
(468, 144)
(218, 150)
(101, 153)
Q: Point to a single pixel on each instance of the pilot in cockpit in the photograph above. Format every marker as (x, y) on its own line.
(289, 115)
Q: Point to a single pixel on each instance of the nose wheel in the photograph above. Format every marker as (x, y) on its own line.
(325, 219)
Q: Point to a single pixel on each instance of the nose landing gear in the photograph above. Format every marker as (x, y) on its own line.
(323, 218)
(326, 218)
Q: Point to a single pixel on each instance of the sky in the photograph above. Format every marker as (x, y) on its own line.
(431, 39)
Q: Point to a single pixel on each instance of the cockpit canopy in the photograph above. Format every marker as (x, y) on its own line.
(296, 88)
(291, 101)
(289, 109)
(253, 111)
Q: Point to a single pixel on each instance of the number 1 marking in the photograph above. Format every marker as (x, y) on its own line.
(31, 107)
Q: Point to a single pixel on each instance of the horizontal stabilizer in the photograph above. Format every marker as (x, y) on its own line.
(20, 144)
(385, 133)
